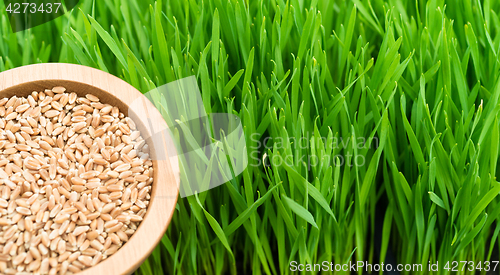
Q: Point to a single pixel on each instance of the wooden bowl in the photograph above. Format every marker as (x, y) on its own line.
(114, 91)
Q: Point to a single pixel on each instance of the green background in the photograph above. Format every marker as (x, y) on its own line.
(421, 78)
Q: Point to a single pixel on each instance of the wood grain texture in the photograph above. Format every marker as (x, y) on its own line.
(114, 91)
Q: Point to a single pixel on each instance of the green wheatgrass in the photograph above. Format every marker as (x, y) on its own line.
(419, 82)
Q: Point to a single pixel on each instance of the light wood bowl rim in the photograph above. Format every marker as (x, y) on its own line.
(164, 196)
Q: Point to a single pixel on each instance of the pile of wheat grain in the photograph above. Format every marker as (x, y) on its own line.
(75, 182)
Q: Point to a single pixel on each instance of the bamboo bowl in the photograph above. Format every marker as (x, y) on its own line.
(114, 91)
